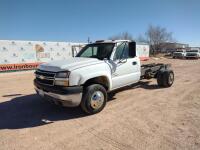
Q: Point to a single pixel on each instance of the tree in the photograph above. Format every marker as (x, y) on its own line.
(156, 37)
(121, 36)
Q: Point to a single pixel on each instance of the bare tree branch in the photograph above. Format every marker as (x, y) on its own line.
(156, 37)
(122, 36)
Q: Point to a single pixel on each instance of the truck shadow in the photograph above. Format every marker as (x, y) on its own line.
(31, 111)
(140, 84)
(146, 85)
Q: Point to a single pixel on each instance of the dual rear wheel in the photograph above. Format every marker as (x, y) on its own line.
(165, 78)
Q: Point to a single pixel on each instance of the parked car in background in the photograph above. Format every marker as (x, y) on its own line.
(193, 54)
(179, 54)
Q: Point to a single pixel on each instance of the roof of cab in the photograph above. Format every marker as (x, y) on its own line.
(112, 41)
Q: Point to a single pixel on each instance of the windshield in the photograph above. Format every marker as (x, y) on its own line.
(99, 51)
(193, 51)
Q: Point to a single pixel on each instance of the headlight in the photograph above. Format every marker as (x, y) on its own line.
(61, 82)
(62, 78)
(62, 74)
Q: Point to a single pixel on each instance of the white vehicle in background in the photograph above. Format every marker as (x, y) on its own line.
(193, 53)
(98, 69)
(179, 54)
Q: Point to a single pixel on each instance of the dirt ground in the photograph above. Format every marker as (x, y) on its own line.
(140, 117)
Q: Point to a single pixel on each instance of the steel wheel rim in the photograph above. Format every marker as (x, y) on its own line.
(171, 78)
(97, 99)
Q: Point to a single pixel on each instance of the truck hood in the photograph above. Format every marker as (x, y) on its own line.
(69, 64)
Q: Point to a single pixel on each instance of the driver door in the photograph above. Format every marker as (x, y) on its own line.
(126, 66)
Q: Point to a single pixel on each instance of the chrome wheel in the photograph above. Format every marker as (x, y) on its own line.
(97, 99)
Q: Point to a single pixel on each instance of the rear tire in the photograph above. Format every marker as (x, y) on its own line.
(168, 78)
(165, 78)
(94, 99)
(160, 78)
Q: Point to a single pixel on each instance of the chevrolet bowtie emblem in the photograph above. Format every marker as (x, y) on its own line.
(41, 77)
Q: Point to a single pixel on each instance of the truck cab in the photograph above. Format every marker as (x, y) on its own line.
(86, 79)
(120, 59)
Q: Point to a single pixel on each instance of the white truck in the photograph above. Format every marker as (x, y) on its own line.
(97, 70)
(194, 53)
(179, 54)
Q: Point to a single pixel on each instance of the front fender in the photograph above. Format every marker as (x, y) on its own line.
(81, 75)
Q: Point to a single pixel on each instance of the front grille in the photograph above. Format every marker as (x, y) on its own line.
(47, 82)
(191, 54)
(178, 54)
(45, 77)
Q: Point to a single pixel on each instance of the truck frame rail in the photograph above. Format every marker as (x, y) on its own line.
(149, 71)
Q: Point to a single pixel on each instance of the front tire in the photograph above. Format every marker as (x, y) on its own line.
(94, 99)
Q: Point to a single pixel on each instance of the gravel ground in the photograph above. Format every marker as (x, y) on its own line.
(142, 116)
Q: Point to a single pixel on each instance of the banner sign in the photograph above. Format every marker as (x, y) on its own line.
(22, 66)
(21, 55)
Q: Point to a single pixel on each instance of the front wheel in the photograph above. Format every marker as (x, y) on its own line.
(94, 99)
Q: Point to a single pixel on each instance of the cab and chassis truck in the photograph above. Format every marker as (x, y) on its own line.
(97, 70)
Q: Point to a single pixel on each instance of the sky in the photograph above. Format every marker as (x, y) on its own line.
(76, 20)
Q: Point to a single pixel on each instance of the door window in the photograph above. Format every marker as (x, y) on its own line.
(122, 51)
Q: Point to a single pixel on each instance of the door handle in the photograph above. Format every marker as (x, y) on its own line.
(134, 63)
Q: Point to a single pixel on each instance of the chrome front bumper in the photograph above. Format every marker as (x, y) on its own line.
(68, 100)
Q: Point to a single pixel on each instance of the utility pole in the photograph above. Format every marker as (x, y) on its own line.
(88, 40)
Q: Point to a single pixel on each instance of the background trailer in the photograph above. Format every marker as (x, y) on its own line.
(142, 51)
